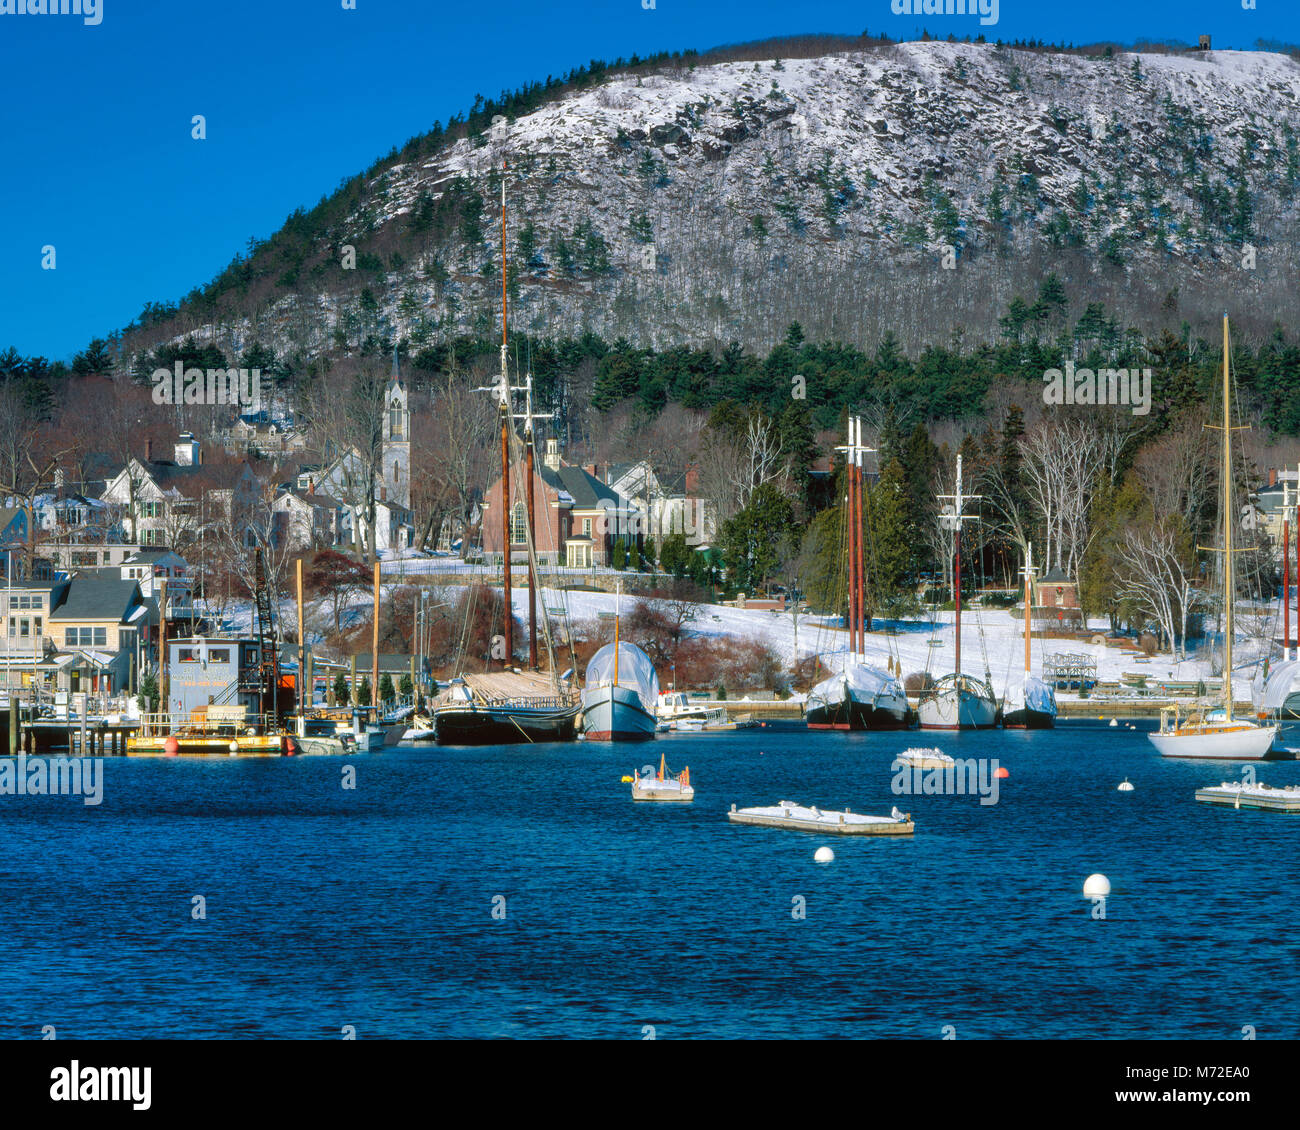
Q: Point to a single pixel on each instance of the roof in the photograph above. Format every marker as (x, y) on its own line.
(8, 514)
(316, 499)
(98, 594)
(1056, 577)
(148, 556)
(586, 491)
(193, 479)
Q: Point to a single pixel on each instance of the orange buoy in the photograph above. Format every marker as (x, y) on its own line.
(289, 747)
(171, 747)
(1002, 771)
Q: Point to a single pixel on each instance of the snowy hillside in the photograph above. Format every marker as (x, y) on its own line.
(723, 201)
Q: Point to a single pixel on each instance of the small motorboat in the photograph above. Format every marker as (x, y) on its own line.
(923, 758)
(662, 785)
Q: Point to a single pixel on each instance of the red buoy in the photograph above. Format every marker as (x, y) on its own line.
(171, 747)
(289, 747)
(1002, 771)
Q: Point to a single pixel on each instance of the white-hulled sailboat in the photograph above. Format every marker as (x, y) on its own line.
(957, 701)
(1219, 735)
(621, 693)
(1029, 704)
(858, 696)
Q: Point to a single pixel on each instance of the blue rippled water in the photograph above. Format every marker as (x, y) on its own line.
(372, 907)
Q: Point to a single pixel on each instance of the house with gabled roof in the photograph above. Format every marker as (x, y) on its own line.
(577, 517)
(160, 499)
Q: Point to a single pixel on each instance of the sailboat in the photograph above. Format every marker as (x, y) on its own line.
(510, 708)
(958, 701)
(1219, 734)
(858, 696)
(1030, 704)
(621, 693)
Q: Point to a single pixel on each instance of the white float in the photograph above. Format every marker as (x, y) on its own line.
(824, 855)
(1096, 886)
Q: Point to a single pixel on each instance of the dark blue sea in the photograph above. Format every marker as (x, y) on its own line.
(373, 907)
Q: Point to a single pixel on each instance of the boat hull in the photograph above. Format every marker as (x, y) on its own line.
(1026, 718)
(615, 714)
(853, 715)
(504, 725)
(953, 709)
(1237, 743)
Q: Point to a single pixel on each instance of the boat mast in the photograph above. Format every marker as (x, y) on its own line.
(1029, 596)
(505, 444)
(532, 510)
(618, 600)
(858, 450)
(955, 520)
(853, 543)
(1228, 585)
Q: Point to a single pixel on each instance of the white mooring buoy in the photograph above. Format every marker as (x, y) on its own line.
(1096, 886)
(824, 855)
(1114, 722)
(1125, 786)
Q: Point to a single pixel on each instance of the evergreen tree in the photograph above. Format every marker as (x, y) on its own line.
(386, 692)
(342, 692)
(363, 691)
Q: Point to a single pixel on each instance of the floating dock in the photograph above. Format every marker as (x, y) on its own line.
(787, 814)
(1237, 795)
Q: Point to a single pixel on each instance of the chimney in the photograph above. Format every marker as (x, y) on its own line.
(692, 480)
(311, 485)
(1272, 476)
(590, 468)
(148, 451)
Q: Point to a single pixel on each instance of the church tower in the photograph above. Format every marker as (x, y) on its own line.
(396, 486)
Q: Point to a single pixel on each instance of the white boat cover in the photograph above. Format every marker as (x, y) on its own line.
(635, 672)
(1283, 680)
(867, 683)
(1031, 692)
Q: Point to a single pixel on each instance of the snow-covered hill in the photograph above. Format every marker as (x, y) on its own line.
(916, 187)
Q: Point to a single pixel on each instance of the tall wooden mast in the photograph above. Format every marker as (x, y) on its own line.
(505, 445)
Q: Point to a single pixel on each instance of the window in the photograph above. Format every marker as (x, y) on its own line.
(219, 655)
(395, 422)
(518, 525)
(36, 624)
(586, 527)
(24, 628)
(85, 559)
(69, 636)
(101, 637)
(186, 655)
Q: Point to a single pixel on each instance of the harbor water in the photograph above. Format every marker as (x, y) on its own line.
(519, 892)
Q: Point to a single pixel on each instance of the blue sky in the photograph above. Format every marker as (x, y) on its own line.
(95, 123)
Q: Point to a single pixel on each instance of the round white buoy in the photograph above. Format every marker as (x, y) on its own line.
(1125, 786)
(1096, 886)
(824, 855)
(234, 749)
(1114, 722)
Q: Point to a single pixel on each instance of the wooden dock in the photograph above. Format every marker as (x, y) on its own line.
(801, 818)
(1252, 796)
